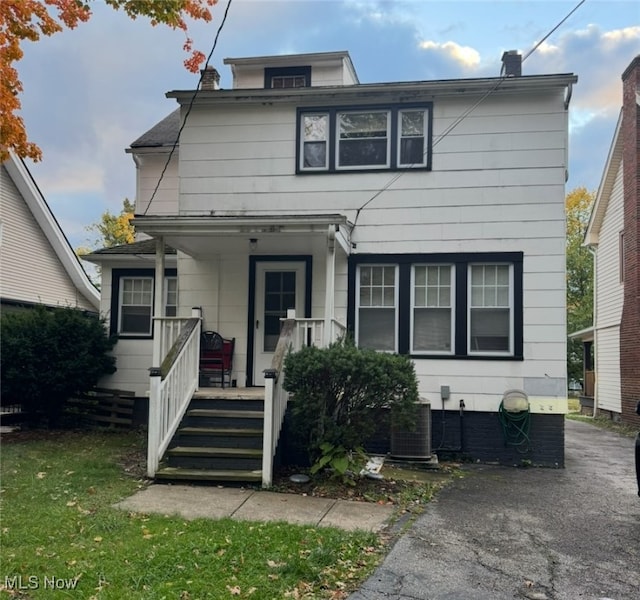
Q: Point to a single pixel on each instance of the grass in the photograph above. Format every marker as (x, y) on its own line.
(59, 529)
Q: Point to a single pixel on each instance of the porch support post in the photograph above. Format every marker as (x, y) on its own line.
(330, 286)
(158, 304)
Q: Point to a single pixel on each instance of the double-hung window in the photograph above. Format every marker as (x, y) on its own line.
(132, 302)
(432, 315)
(136, 305)
(490, 309)
(377, 307)
(457, 305)
(315, 137)
(364, 138)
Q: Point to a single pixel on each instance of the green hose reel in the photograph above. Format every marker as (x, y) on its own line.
(515, 420)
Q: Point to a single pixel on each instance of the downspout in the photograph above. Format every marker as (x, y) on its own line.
(329, 285)
(158, 303)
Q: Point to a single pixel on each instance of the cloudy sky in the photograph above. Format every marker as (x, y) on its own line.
(89, 92)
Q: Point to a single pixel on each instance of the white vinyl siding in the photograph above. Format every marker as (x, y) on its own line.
(31, 270)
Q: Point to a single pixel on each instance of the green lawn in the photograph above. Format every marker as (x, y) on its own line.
(59, 530)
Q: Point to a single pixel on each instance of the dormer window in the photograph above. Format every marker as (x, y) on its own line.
(287, 77)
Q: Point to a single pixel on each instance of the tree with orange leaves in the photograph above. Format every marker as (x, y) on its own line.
(27, 20)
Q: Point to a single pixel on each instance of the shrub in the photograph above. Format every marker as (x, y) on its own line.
(338, 393)
(48, 355)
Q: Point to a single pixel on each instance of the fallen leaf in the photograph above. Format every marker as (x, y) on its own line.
(234, 591)
(41, 475)
(97, 539)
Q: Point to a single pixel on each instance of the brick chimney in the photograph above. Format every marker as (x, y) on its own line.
(209, 79)
(511, 64)
(630, 323)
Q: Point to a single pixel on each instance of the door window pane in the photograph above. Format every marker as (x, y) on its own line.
(280, 295)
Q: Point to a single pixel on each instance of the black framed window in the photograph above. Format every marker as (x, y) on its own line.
(466, 305)
(287, 77)
(364, 138)
(132, 301)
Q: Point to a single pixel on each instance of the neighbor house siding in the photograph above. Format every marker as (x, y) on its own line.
(31, 270)
(608, 302)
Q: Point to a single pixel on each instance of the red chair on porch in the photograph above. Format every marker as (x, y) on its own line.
(216, 358)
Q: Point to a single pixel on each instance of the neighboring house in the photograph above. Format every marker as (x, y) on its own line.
(425, 217)
(38, 264)
(614, 235)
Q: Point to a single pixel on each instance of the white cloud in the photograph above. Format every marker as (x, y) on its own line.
(466, 56)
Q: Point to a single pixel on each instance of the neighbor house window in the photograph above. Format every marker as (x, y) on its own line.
(457, 305)
(490, 309)
(432, 309)
(364, 138)
(377, 305)
(136, 305)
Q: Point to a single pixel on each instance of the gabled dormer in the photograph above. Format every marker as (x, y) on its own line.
(293, 71)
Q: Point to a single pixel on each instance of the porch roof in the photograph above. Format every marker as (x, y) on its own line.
(202, 235)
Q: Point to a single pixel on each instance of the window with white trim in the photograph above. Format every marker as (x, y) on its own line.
(136, 305)
(490, 309)
(377, 307)
(432, 316)
(441, 305)
(315, 134)
(171, 297)
(364, 138)
(132, 303)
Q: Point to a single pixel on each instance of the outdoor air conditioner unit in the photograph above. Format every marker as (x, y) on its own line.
(414, 445)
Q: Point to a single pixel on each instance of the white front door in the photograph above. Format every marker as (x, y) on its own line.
(279, 287)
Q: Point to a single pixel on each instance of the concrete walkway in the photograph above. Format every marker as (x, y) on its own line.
(194, 502)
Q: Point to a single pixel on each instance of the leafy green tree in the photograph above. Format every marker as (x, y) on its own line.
(578, 206)
(48, 355)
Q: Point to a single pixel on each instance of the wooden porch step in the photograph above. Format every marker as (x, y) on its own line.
(217, 452)
(220, 431)
(178, 474)
(225, 413)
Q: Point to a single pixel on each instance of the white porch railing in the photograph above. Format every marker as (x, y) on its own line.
(172, 384)
(311, 332)
(295, 334)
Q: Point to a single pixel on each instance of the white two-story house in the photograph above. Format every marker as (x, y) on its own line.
(423, 217)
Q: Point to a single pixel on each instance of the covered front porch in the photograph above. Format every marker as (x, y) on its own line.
(269, 283)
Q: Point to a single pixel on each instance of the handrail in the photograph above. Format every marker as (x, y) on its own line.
(275, 400)
(172, 387)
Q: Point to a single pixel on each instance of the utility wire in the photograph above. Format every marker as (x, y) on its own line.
(462, 117)
(186, 115)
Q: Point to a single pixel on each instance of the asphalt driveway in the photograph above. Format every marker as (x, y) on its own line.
(543, 534)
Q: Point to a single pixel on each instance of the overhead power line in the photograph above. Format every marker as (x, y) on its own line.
(463, 116)
(186, 115)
